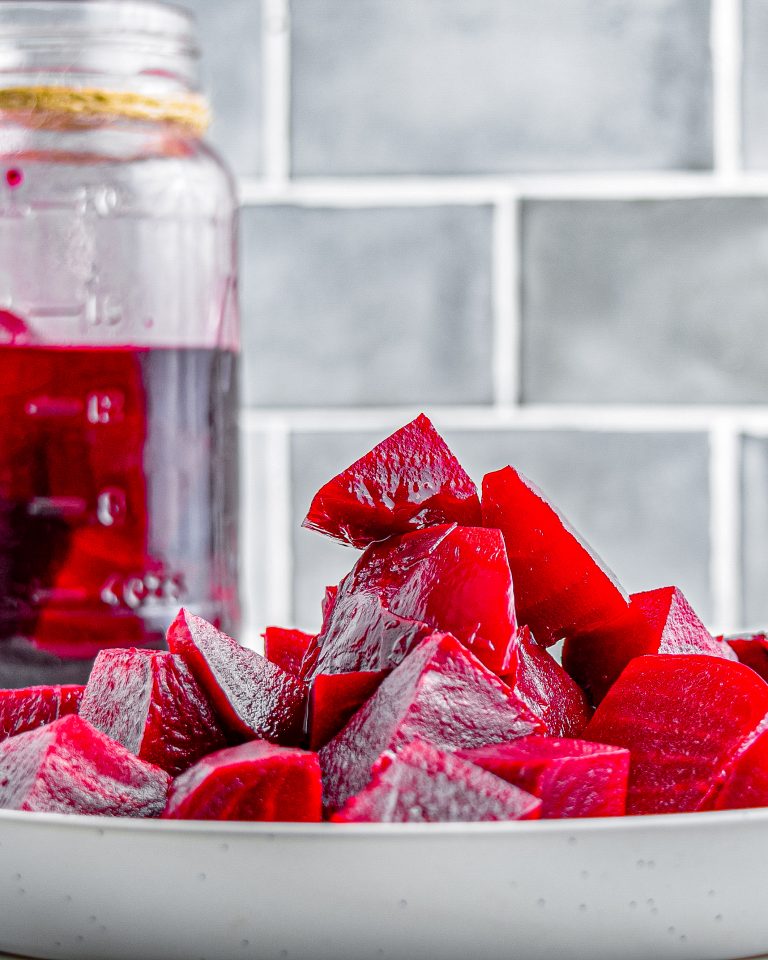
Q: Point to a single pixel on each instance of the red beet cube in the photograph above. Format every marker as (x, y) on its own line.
(745, 783)
(561, 587)
(573, 778)
(683, 718)
(421, 784)
(658, 621)
(329, 598)
(333, 698)
(31, 707)
(362, 635)
(408, 481)
(253, 781)
(752, 650)
(552, 695)
(286, 648)
(255, 698)
(440, 693)
(70, 767)
(454, 579)
(150, 703)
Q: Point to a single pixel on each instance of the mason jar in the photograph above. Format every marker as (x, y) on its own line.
(118, 337)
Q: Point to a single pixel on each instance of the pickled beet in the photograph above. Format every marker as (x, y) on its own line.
(252, 781)
(421, 784)
(333, 698)
(540, 681)
(254, 698)
(657, 621)
(454, 579)
(561, 587)
(150, 702)
(329, 598)
(30, 707)
(746, 779)
(573, 778)
(684, 718)
(70, 767)
(440, 693)
(752, 650)
(286, 648)
(361, 634)
(408, 481)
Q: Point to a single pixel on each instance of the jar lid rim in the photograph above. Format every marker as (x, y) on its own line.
(146, 18)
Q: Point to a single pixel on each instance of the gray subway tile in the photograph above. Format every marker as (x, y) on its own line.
(755, 84)
(366, 306)
(253, 545)
(495, 86)
(640, 499)
(754, 528)
(645, 301)
(230, 38)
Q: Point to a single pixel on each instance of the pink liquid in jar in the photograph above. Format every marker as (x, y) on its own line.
(118, 489)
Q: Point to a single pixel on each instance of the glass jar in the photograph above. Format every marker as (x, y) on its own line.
(118, 338)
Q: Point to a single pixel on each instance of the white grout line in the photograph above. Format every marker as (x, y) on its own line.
(726, 45)
(652, 419)
(248, 541)
(277, 537)
(386, 191)
(276, 94)
(725, 525)
(506, 313)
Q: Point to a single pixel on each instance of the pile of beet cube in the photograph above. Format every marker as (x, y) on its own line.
(428, 694)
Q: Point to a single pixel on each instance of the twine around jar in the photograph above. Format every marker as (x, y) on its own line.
(56, 105)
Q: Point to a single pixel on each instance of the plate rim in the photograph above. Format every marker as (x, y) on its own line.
(570, 827)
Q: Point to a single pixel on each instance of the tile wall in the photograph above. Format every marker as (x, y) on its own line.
(545, 224)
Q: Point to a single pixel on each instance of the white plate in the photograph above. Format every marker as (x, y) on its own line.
(683, 886)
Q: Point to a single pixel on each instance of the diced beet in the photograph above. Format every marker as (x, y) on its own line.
(71, 698)
(329, 598)
(746, 779)
(286, 648)
(408, 481)
(150, 703)
(658, 621)
(675, 626)
(752, 650)
(255, 698)
(421, 784)
(548, 690)
(253, 781)
(561, 587)
(362, 635)
(30, 707)
(440, 693)
(573, 778)
(70, 767)
(683, 717)
(312, 650)
(333, 698)
(454, 579)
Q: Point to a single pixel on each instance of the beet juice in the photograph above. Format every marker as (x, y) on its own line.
(117, 492)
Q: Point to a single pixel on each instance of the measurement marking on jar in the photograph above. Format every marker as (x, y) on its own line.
(105, 406)
(53, 407)
(58, 595)
(143, 589)
(56, 507)
(111, 506)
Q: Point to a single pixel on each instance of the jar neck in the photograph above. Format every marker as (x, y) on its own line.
(127, 46)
